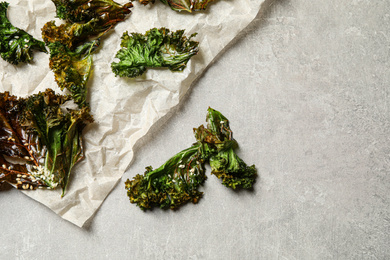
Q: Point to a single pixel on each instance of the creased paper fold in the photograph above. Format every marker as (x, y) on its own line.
(124, 109)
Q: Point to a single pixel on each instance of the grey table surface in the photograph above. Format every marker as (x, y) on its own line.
(306, 88)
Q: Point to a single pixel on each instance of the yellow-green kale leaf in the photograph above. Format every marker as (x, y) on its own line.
(73, 68)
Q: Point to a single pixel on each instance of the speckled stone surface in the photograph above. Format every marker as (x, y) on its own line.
(306, 88)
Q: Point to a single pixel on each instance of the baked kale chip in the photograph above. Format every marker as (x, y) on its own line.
(82, 11)
(85, 20)
(183, 5)
(71, 44)
(177, 181)
(218, 146)
(157, 48)
(40, 140)
(73, 68)
(71, 35)
(172, 184)
(16, 45)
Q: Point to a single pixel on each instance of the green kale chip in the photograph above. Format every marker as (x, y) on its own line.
(82, 11)
(176, 182)
(85, 20)
(187, 5)
(73, 68)
(172, 184)
(183, 5)
(218, 147)
(16, 45)
(40, 140)
(70, 35)
(232, 170)
(157, 48)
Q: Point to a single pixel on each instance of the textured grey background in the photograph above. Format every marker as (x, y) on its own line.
(306, 88)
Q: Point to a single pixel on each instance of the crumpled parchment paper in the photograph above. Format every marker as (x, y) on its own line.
(124, 109)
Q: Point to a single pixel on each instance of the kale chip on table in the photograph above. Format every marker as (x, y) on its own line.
(177, 181)
(172, 184)
(218, 145)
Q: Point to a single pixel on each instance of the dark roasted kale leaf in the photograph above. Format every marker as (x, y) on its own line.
(40, 141)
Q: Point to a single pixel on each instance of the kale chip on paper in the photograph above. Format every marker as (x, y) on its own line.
(40, 140)
(73, 68)
(81, 11)
(72, 44)
(84, 20)
(16, 45)
(183, 5)
(156, 48)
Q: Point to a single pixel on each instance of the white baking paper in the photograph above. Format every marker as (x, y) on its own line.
(123, 109)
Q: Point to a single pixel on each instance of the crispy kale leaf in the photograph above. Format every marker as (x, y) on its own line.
(182, 5)
(73, 34)
(15, 44)
(71, 44)
(177, 181)
(187, 5)
(172, 184)
(81, 11)
(218, 146)
(85, 20)
(70, 34)
(157, 48)
(40, 142)
(72, 68)
(232, 170)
